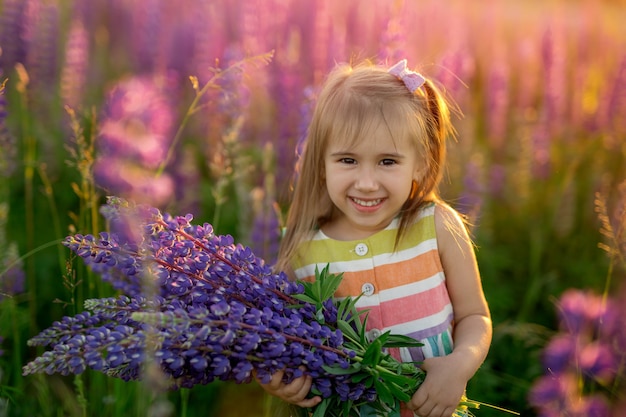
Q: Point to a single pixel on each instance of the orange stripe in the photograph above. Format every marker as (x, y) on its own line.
(391, 275)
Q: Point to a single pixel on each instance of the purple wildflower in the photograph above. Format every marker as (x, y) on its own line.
(553, 52)
(74, 72)
(560, 353)
(220, 313)
(617, 100)
(12, 275)
(148, 30)
(7, 140)
(134, 136)
(234, 95)
(586, 356)
(265, 234)
(393, 41)
(497, 103)
(471, 200)
(40, 34)
(13, 50)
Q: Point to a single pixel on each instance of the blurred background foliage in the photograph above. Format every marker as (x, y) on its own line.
(198, 106)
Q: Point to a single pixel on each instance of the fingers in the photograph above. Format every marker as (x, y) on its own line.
(431, 409)
(295, 392)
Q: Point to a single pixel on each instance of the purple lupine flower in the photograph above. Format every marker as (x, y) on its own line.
(541, 158)
(287, 82)
(40, 32)
(576, 310)
(552, 391)
(471, 199)
(594, 406)
(209, 39)
(74, 72)
(246, 300)
(220, 313)
(8, 144)
(147, 36)
(265, 233)
(553, 53)
(134, 136)
(457, 68)
(560, 352)
(13, 50)
(586, 356)
(598, 361)
(617, 100)
(497, 180)
(393, 41)
(12, 275)
(497, 103)
(234, 95)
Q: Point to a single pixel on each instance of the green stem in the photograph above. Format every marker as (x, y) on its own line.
(48, 190)
(184, 402)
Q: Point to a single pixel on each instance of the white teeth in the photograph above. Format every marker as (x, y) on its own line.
(369, 203)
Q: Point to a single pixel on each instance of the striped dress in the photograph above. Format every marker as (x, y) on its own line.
(404, 290)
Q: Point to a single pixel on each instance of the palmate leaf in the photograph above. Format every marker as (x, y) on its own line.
(321, 289)
(329, 282)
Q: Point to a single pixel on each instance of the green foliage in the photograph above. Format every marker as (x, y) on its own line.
(394, 381)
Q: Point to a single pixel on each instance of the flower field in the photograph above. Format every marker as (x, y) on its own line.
(199, 107)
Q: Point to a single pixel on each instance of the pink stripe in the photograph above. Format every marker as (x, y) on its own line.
(414, 306)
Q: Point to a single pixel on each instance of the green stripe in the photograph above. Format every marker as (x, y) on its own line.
(446, 340)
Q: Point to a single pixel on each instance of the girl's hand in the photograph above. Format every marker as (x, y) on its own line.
(440, 393)
(295, 392)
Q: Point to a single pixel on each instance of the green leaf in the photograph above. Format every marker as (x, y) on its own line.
(347, 406)
(340, 371)
(348, 331)
(372, 354)
(329, 282)
(304, 297)
(383, 393)
(320, 409)
(361, 376)
(398, 340)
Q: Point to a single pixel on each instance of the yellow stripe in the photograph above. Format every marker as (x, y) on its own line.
(318, 252)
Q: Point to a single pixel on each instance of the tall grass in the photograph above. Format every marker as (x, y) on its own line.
(542, 134)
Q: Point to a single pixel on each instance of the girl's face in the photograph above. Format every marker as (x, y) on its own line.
(368, 182)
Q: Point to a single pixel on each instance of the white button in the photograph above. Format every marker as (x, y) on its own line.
(367, 289)
(361, 249)
(373, 334)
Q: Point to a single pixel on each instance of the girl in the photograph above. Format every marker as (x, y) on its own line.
(366, 203)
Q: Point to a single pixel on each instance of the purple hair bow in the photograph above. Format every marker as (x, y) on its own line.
(411, 79)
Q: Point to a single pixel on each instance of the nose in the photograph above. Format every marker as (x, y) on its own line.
(366, 180)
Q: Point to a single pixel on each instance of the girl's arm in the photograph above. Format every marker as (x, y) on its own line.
(447, 376)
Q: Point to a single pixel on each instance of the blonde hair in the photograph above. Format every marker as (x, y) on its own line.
(352, 102)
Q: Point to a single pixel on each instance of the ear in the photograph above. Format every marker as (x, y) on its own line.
(420, 173)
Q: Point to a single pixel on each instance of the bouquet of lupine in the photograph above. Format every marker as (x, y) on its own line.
(204, 308)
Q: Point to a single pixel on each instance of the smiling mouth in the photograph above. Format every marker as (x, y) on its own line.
(367, 203)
